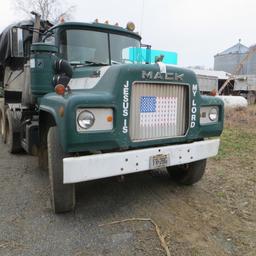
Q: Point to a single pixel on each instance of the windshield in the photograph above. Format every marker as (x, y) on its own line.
(84, 46)
(92, 47)
(122, 49)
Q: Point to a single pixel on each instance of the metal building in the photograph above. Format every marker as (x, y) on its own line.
(240, 62)
(230, 58)
(210, 80)
(251, 64)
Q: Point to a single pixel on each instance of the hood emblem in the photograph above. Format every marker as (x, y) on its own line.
(169, 76)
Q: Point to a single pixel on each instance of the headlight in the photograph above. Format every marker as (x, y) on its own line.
(85, 119)
(209, 115)
(94, 119)
(213, 114)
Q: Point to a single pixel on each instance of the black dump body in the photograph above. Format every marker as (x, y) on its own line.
(6, 58)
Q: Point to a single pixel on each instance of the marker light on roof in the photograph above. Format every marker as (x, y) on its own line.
(130, 26)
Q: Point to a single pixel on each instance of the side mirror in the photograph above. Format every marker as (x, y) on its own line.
(17, 42)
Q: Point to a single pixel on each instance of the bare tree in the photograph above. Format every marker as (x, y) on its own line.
(51, 10)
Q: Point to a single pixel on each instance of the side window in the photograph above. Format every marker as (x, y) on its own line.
(50, 39)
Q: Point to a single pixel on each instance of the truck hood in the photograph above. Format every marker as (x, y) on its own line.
(111, 87)
(89, 77)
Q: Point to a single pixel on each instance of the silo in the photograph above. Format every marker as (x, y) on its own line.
(251, 64)
(229, 59)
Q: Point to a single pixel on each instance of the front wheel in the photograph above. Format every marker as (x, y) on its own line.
(187, 174)
(62, 195)
(2, 122)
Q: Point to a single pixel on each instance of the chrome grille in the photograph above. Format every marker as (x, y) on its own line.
(146, 125)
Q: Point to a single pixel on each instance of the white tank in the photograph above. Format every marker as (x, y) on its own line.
(234, 101)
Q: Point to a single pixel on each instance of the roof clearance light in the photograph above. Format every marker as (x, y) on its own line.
(130, 26)
(62, 19)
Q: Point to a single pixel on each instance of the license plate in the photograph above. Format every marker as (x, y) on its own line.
(159, 161)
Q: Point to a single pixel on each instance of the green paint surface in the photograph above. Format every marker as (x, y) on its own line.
(108, 93)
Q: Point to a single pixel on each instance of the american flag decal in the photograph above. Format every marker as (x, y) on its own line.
(158, 111)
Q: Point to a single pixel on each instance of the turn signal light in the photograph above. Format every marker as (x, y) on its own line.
(213, 92)
(109, 118)
(60, 89)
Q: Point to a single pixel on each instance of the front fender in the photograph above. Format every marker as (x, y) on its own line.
(55, 105)
(217, 128)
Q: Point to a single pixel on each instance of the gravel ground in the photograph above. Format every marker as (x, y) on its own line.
(208, 218)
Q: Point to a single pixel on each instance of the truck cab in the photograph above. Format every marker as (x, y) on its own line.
(89, 111)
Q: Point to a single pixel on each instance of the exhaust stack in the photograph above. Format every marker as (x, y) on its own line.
(36, 29)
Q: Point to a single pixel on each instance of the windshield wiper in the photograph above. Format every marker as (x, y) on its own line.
(87, 63)
(115, 62)
(93, 63)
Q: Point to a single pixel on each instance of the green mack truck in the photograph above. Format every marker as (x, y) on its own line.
(72, 96)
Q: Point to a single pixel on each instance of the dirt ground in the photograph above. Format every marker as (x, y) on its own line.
(217, 216)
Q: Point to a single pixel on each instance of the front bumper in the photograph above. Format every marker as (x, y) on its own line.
(92, 167)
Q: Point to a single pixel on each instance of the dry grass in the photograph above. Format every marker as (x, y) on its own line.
(233, 174)
(241, 118)
(238, 140)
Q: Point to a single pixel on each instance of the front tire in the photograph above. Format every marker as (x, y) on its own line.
(187, 174)
(62, 195)
(43, 151)
(2, 122)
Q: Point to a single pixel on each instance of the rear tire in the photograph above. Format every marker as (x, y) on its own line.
(62, 195)
(12, 131)
(187, 174)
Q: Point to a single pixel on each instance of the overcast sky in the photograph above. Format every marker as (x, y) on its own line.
(196, 30)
